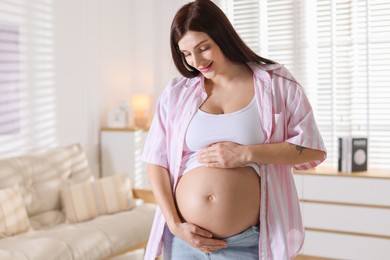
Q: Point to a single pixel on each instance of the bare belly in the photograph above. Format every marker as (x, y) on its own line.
(222, 201)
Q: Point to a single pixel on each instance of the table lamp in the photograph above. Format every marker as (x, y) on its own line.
(141, 106)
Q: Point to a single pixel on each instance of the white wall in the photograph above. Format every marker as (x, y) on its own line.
(105, 51)
(77, 92)
(135, 51)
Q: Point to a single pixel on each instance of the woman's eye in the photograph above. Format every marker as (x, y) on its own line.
(204, 49)
(186, 55)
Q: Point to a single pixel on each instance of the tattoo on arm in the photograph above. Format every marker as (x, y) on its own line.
(299, 149)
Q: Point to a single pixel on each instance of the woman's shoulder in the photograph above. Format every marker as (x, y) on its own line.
(271, 70)
(278, 74)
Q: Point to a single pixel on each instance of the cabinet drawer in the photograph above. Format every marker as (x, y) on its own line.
(347, 189)
(365, 220)
(340, 246)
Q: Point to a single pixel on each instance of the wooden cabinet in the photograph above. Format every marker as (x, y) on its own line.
(121, 151)
(346, 216)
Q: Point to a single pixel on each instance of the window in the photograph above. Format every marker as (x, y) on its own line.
(340, 52)
(27, 76)
(9, 80)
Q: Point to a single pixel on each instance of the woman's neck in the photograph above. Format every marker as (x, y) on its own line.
(233, 74)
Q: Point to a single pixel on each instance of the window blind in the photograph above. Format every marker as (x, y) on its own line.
(353, 64)
(281, 31)
(340, 52)
(9, 79)
(244, 14)
(377, 82)
(27, 76)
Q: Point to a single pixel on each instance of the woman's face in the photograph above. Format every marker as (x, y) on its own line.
(202, 53)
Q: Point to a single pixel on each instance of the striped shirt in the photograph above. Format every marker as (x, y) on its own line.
(286, 116)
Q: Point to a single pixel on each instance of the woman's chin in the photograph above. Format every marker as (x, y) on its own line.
(208, 75)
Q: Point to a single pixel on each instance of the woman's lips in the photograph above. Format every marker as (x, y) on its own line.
(206, 69)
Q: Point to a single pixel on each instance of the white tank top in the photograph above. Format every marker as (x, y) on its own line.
(241, 127)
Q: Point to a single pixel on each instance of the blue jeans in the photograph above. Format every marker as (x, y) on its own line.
(244, 245)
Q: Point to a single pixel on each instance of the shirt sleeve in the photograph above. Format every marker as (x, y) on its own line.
(155, 148)
(302, 128)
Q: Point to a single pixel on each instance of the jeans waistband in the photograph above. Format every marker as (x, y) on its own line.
(247, 238)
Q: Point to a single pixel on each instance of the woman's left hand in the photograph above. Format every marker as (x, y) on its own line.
(223, 155)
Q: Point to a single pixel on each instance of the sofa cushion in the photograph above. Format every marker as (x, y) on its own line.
(13, 215)
(64, 242)
(87, 200)
(40, 175)
(96, 239)
(34, 248)
(125, 229)
(48, 219)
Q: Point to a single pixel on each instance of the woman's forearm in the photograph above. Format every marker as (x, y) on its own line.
(281, 153)
(161, 186)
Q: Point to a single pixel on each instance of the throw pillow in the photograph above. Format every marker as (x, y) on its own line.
(13, 214)
(88, 200)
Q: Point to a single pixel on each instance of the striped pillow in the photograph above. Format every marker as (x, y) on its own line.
(13, 214)
(108, 195)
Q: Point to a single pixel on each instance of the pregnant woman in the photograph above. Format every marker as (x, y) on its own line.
(221, 147)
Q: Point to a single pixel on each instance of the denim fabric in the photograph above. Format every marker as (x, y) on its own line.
(244, 245)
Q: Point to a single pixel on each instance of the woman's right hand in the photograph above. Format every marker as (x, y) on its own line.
(198, 237)
(192, 234)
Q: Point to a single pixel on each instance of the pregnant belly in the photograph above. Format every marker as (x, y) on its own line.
(222, 201)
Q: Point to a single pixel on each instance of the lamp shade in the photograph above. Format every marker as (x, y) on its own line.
(141, 102)
(141, 105)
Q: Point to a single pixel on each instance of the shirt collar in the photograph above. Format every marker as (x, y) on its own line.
(260, 71)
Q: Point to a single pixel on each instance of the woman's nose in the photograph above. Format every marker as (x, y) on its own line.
(196, 60)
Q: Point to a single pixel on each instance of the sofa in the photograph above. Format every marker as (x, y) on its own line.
(51, 207)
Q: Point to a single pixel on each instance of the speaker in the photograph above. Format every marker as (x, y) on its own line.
(352, 154)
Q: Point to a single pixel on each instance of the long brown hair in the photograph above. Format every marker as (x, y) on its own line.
(205, 16)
